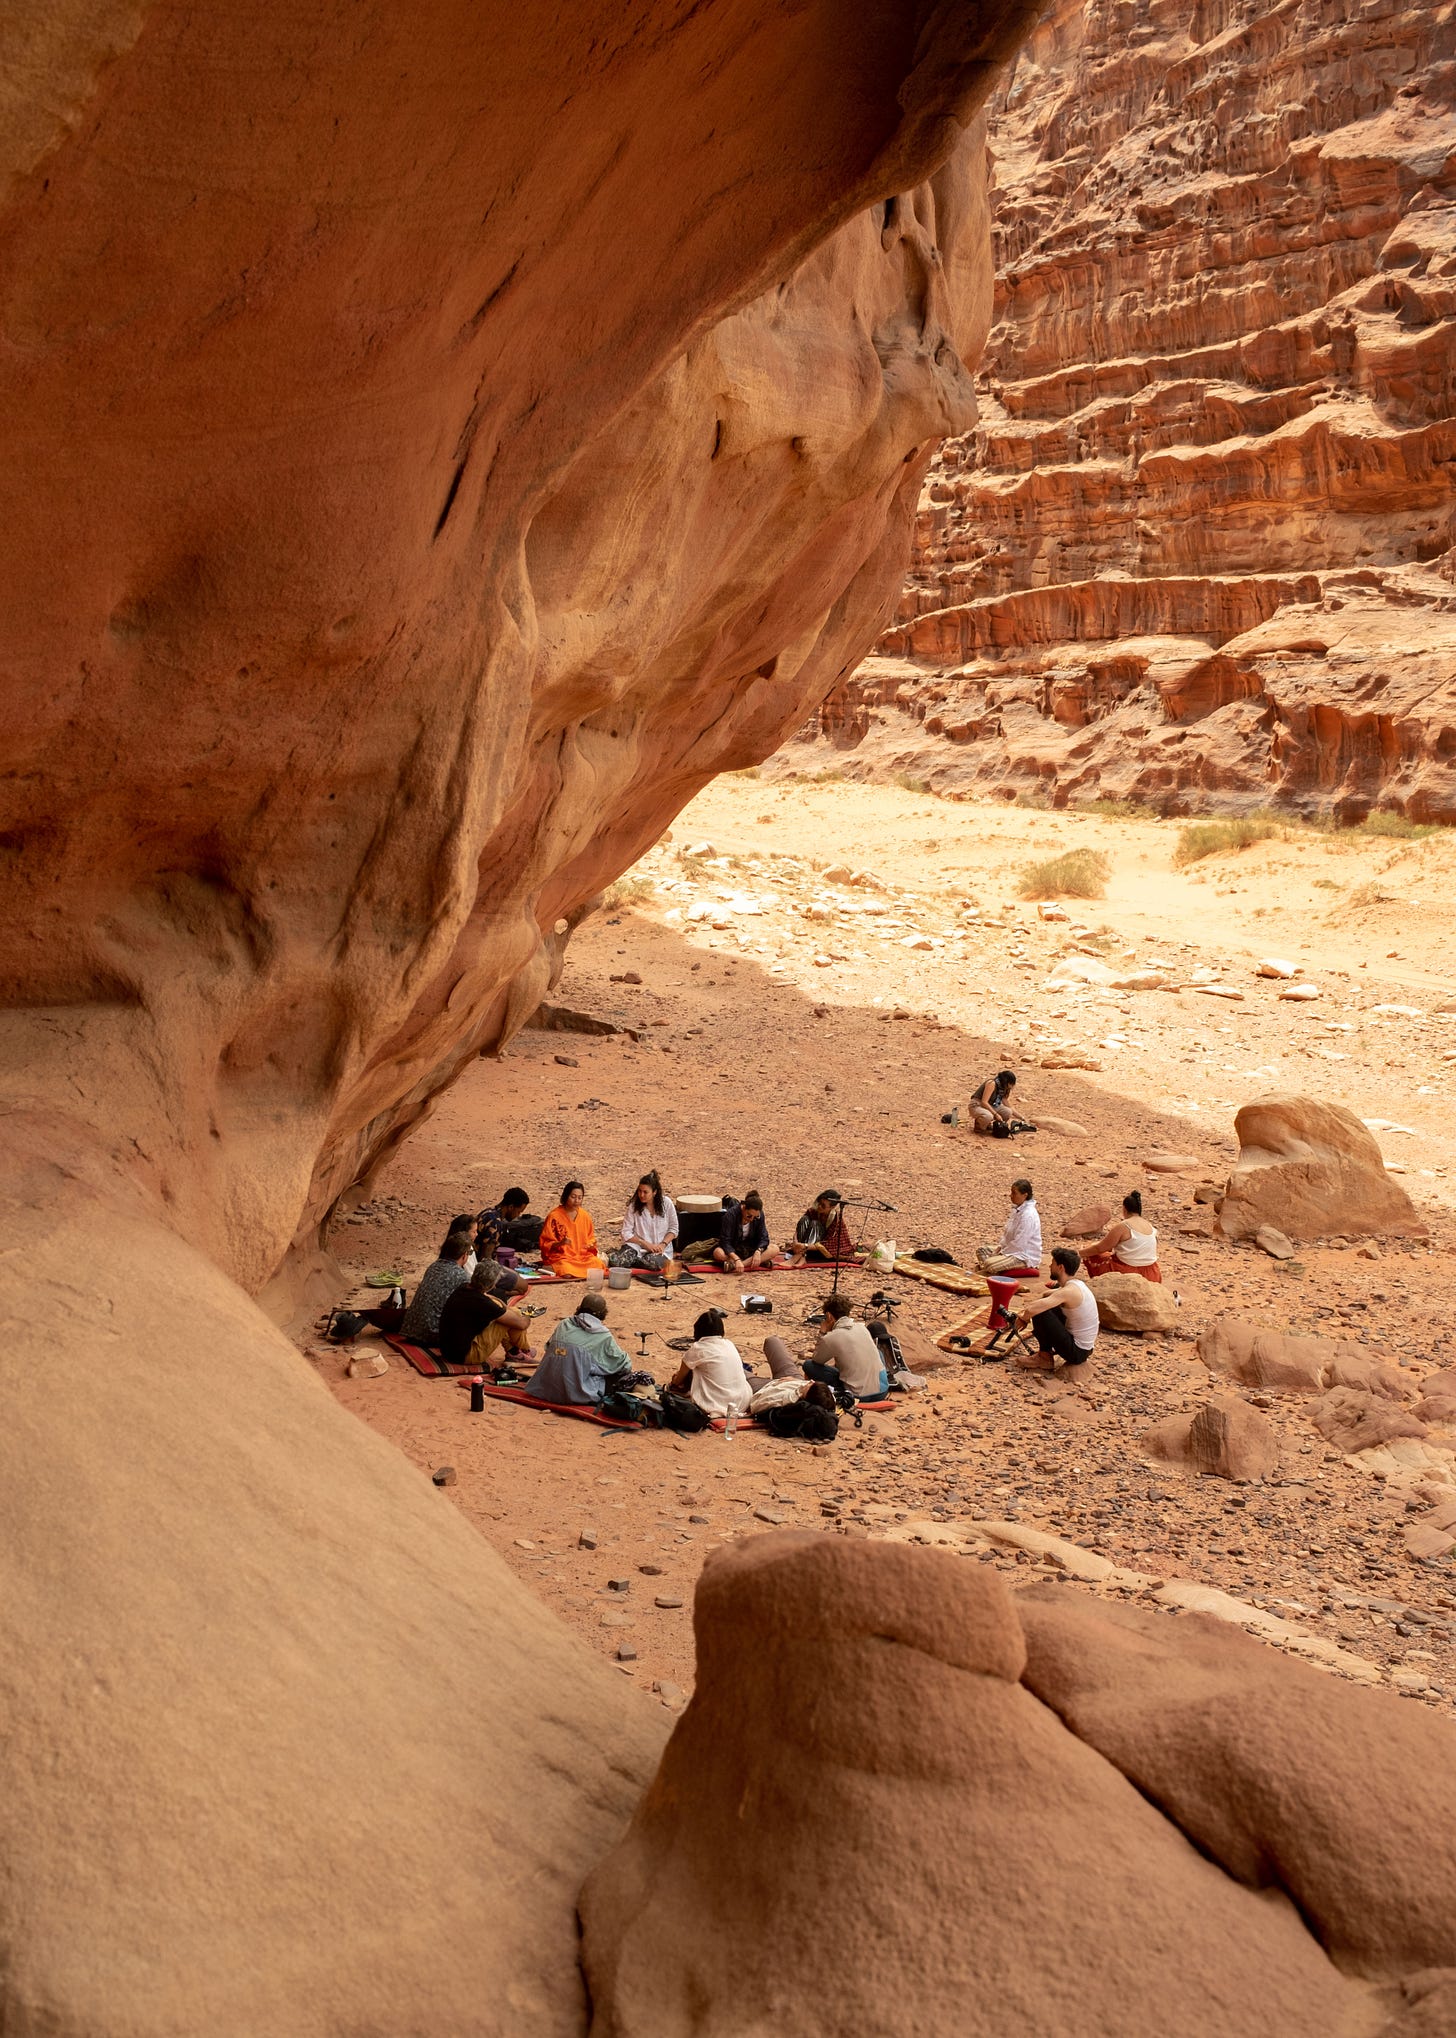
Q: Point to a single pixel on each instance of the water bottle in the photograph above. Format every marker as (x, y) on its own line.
(477, 1397)
(730, 1423)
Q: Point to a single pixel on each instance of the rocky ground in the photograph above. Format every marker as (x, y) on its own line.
(761, 1047)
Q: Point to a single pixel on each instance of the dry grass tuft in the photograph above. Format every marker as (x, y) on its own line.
(1212, 838)
(1080, 874)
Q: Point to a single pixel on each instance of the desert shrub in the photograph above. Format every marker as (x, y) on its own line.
(1079, 874)
(627, 891)
(908, 782)
(1384, 822)
(1118, 810)
(1212, 838)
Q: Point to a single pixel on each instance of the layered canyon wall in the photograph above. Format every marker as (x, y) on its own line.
(439, 440)
(1198, 551)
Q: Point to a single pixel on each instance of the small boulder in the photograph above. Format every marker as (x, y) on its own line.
(1276, 966)
(1225, 1439)
(1438, 1398)
(1126, 1302)
(1161, 1163)
(1355, 1421)
(1271, 1240)
(1311, 1169)
(1064, 1128)
(368, 1365)
(1299, 994)
(444, 1475)
(1088, 1222)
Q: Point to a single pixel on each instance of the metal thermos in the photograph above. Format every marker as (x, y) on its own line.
(477, 1397)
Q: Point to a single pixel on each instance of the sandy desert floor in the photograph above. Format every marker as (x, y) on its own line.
(846, 963)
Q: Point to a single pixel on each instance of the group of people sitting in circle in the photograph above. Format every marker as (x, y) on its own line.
(470, 1306)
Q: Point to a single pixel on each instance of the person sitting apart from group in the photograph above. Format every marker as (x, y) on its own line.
(478, 1322)
(820, 1233)
(569, 1238)
(743, 1241)
(649, 1227)
(847, 1354)
(582, 1362)
(492, 1227)
(712, 1370)
(992, 1104)
(1128, 1246)
(1064, 1321)
(420, 1324)
(1020, 1249)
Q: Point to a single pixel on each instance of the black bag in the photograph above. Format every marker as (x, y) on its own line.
(522, 1234)
(682, 1413)
(1000, 1129)
(803, 1419)
(343, 1325)
(935, 1256)
(624, 1407)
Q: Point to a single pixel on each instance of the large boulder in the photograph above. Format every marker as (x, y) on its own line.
(1273, 1358)
(1292, 1780)
(1226, 1437)
(858, 1739)
(1310, 1169)
(1126, 1302)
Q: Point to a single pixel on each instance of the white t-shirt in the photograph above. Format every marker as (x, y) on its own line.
(719, 1384)
(854, 1352)
(1022, 1235)
(1079, 1306)
(658, 1231)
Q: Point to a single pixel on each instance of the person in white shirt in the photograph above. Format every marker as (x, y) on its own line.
(1064, 1320)
(1020, 1247)
(712, 1370)
(649, 1227)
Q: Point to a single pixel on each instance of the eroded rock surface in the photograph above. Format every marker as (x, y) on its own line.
(439, 440)
(1313, 1169)
(854, 1697)
(1200, 546)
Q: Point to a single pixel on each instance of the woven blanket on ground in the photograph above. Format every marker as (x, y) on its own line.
(779, 1266)
(954, 1280)
(433, 1368)
(524, 1400)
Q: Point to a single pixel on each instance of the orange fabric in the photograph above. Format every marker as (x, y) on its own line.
(569, 1243)
(1108, 1263)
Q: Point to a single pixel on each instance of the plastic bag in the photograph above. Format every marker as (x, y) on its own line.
(882, 1259)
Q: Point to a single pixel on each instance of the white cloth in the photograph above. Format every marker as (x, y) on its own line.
(1138, 1249)
(719, 1384)
(1021, 1237)
(851, 1349)
(646, 1226)
(1079, 1306)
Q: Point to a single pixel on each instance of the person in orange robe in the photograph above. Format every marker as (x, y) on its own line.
(569, 1238)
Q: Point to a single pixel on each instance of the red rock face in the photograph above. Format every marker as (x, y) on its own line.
(438, 438)
(1199, 550)
(437, 459)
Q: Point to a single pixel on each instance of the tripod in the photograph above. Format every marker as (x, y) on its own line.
(864, 1204)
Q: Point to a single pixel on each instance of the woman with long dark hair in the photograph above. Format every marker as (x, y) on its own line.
(649, 1227)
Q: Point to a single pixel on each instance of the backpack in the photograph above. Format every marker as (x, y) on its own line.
(803, 1419)
(681, 1412)
(624, 1407)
